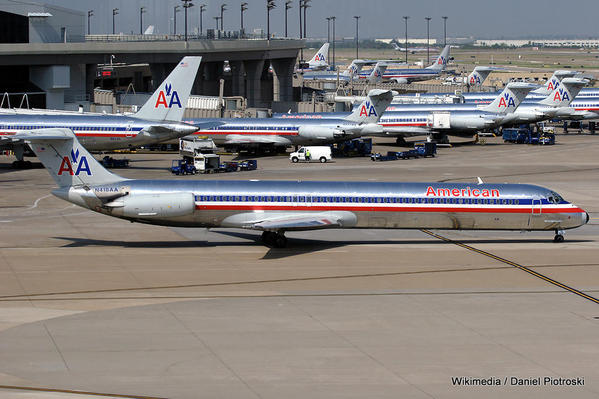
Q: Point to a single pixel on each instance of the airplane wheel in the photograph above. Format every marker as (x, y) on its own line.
(267, 237)
(323, 159)
(558, 238)
(280, 241)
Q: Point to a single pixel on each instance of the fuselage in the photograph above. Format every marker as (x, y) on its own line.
(410, 75)
(96, 131)
(283, 132)
(358, 204)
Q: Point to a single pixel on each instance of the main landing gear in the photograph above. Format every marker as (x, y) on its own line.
(559, 236)
(272, 239)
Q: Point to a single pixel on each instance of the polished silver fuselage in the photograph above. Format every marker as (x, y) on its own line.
(354, 204)
(98, 132)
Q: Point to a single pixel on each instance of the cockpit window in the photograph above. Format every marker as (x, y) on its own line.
(554, 198)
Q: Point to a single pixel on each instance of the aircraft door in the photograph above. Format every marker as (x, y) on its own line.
(536, 207)
(128, 132)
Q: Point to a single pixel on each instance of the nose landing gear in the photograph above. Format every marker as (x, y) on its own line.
(272, 239)
(559, 236)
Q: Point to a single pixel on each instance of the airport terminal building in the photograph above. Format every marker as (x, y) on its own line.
(45, 54)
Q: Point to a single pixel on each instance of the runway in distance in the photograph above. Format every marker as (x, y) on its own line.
(275, 207)
(159, 119)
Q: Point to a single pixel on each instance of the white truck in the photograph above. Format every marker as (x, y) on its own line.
(311, 154)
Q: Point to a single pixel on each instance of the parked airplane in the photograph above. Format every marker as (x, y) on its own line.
(540, 93)
(158, 120)
(376, 75)
(270, 132)
(275, 207)
(407, 75)
(438, 121)
(350, 73)
(527, 112)
(319, 62)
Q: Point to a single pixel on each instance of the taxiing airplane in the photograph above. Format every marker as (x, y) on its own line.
(235, 133)
(412, 50)
(158, 120)
(275, 207)
(407, 75)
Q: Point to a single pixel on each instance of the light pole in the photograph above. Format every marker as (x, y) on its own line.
(216, 21)
(222, 18)
(141, 20)
(306, 5)
(90, 14)
(333, 19)
(175, 11)
(202, 9)
(357, 17)
(444, 31)
(428, 57)
(186, 4)
(244, 6)
(406, 19)
(328, 37)
(270, 4)
(301, 2)
(287, 7)
(115, 11)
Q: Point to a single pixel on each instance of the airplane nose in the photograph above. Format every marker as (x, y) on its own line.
(588, 217)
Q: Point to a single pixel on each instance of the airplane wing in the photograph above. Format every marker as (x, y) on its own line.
(166, 130)
(295, 223)
(288, 221)
(406, 130)
(237, 139)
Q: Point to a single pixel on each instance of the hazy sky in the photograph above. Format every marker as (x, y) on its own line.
(379, 18)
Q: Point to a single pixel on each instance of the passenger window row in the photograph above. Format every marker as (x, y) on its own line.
(360, 200)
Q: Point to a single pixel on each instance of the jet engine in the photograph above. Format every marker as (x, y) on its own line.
(153, 206)
(400, 80)
(471, 122)
(320, 133)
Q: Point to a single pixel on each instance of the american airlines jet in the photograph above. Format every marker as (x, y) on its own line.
(319, 62)
(158, 120)
(275, 207)
(237, 133)
(407, 75)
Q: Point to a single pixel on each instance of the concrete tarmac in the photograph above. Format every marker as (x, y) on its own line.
(92, 306)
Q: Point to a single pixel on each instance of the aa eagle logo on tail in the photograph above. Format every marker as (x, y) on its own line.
(171, 95)
(66, 166)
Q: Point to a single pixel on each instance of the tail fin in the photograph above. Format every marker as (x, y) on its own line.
(554, 81)
(320, 58)
(373, 106)
(170, 100)
(67, 161)
(564, 93)
(441, 61)
(377, 73)
(478, 76)
(510, 98)
(354, 68)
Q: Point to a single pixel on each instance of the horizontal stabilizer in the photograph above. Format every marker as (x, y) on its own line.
(67, 161)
